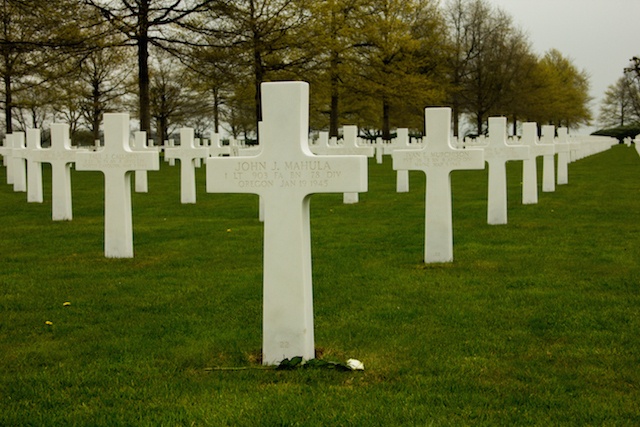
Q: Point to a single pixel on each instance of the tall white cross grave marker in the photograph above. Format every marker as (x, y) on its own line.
(117, 161)
(216, 148)
(350, 147)
(141, 177)
(497, 153)
(564, 152)
(61, 156)
(437, 159)
(6, 151)
(402, 176)
(34, 167)
(285, 174)
(529, 166)
(19, 158)
(187, 153)
(547, 136)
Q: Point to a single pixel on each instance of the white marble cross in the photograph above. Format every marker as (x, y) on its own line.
(187, 153)
(19, 157)
(34, 166)
(497, 153)
(547, 137)
(379, 150)
(6, 151)
(167, 144)
(529, 166)
(350, 147)
(216, 148)
(402, 176)
(61, 156)
(564, 151)
(285, 174)
(350, 144)
(117, 161)
(141, 177)
(437, 159)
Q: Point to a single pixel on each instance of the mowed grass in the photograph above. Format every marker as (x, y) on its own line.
(535, 323)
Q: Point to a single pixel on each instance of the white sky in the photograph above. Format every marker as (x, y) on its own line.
(599, 36)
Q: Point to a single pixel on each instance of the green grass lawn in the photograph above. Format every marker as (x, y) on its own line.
(535, 323)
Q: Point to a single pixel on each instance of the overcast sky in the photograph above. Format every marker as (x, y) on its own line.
(599, 36)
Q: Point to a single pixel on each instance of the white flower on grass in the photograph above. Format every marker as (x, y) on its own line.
(355, 365)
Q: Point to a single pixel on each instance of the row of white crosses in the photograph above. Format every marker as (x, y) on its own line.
(285, 174)
(439, 157)
(24, 161)
(116, 161)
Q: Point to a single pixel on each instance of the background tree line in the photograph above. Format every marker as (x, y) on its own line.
(200, 63)
(621, 103)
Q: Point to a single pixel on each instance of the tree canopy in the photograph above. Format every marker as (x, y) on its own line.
(373, 63)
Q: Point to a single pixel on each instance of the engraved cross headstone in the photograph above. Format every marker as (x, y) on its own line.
(61, 156)
(350, 147)
(216, 148)
(141, 177)
(564, 150)
(285, 174)
(187, 152)
(117, 161)
(437, 159)
(402, 176)
(497, 153)
(547, 136)
(34, 166)
(19, 157)
(529, 166)
(6, 151)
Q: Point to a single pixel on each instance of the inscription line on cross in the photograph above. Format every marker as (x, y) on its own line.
(497, 153)
(437, 159)
(285, 174)
(117, 161)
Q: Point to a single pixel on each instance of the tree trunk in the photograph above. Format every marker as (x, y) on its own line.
(479, 121)
(333, 117)
(386, 128)
(259, 75)
(258, 68)
(8, 103)
(455, 112)
(216, 110)
(162, 129)
(335, 82)
(143, 68)
(95, 116)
